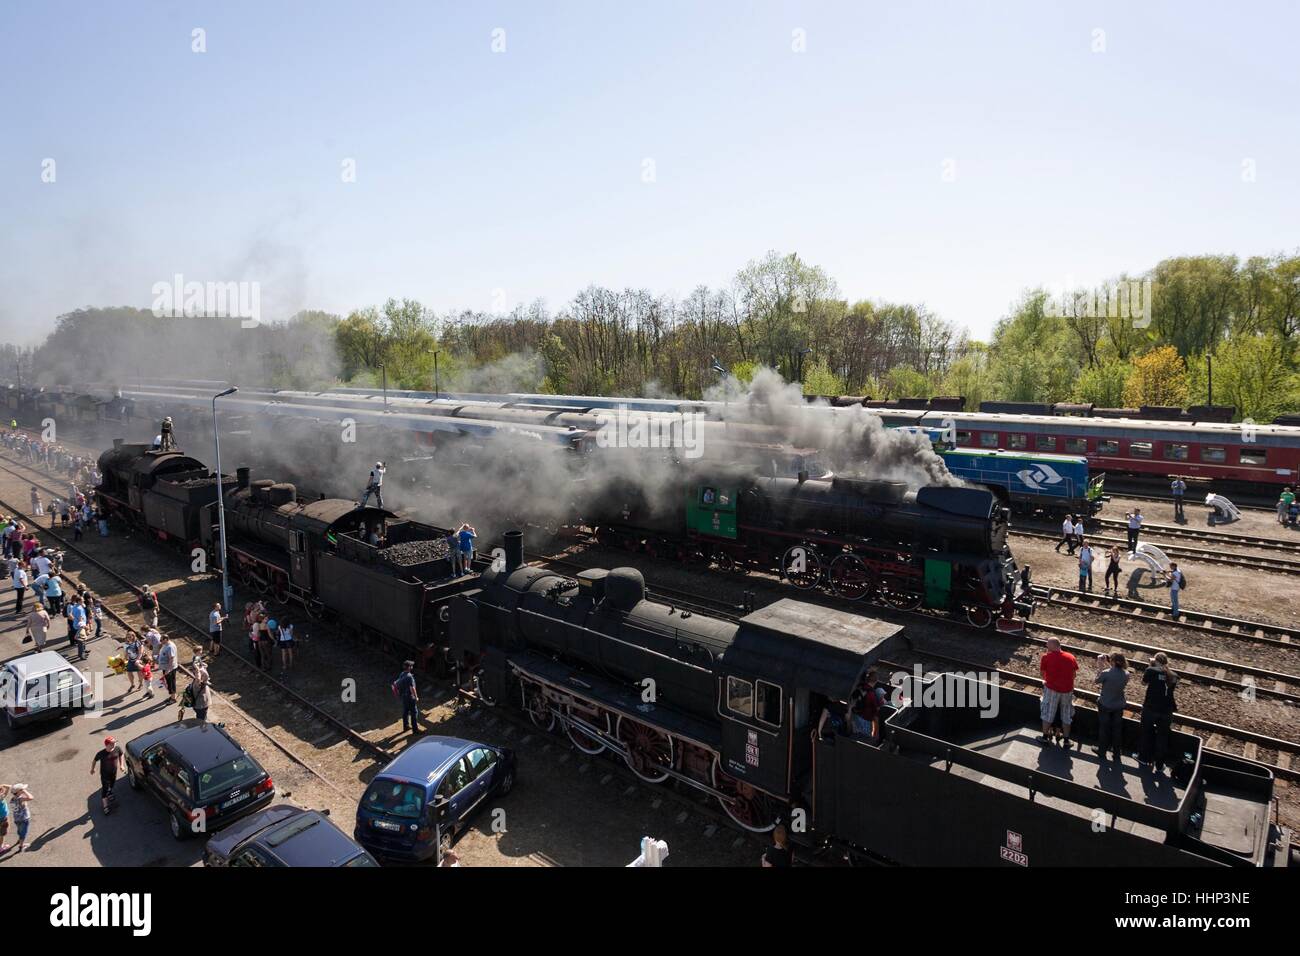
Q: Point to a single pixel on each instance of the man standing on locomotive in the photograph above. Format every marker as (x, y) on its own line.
(375, 487)
(1058, 669)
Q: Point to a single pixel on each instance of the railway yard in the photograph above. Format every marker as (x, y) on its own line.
(1237, 646)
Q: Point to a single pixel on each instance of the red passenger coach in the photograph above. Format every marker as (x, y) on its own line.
(1260, 457)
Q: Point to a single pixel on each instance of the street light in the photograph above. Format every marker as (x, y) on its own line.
(227, 596)
(437, 392)
(384, 369)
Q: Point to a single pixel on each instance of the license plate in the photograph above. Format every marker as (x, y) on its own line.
(387, 825)
(234, 800)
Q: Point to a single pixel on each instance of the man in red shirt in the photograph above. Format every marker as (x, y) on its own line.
(1058, 669)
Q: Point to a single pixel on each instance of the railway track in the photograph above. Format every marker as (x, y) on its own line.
(1198, 534)
(1198, 622)
(1252, 504)
(1251, 562)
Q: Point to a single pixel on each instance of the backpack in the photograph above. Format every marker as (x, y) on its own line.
(1182, 580)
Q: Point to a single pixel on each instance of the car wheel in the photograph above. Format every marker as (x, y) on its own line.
(180, 828)
(507, 783)
(133, 779)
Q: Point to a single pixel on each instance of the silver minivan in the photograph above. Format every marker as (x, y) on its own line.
(43, 686)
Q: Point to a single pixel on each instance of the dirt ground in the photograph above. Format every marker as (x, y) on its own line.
(1261, 524)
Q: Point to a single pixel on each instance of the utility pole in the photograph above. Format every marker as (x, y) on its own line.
(1209, 375)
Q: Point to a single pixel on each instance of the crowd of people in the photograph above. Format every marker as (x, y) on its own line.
(82, 471)
(1077, 546)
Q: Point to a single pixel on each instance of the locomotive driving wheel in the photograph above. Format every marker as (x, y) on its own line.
(649, 751)
(280, 590)
(579, 736)
(536, 705)
(979, 616)
(801, 565)
(726, 563)
(752, 809)
(901, 598)
(850, 577)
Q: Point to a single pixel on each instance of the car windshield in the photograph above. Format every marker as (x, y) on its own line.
(233, 773)
(394, 798)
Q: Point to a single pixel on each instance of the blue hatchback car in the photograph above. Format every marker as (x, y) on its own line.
(424, 798)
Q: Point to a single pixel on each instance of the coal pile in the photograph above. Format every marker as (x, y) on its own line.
(409, 554)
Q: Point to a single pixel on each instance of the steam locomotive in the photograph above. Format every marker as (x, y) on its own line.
(732, 708)
(377, 573)
(944, 548)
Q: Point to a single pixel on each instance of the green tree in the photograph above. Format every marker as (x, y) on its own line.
(818, 379)
(1103, 384)
(1157, 378)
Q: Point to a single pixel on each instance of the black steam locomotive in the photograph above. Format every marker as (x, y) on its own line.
(732, 709)
(943, 548)
(374, 571)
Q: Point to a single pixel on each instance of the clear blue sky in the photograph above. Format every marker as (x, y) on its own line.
(522, 171)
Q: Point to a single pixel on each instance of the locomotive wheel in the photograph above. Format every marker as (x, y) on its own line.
(536, 706)
(979, 616)
(850, 577)
(315, 609)
(801, 565)
(752, 809)
(280, 591)
(726, 563)
(481, 689)
(648, 750)
(581, 738)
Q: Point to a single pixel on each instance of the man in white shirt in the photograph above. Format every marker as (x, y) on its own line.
(1078, 532)
(1067, 535)
(1134, 526)
(20, 587)
(376, 485)
(41, 564)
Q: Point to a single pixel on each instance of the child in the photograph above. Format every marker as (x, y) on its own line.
(97, 612)
(286, 649)
(19, 798)
(146, 672)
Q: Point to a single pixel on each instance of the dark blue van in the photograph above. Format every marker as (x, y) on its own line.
(423, 799)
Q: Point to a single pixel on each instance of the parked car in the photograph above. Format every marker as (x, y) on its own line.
(285, 835)
(423, 799)
(43, 686)
(204, 778)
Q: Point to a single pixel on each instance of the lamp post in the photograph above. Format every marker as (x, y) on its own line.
(384, 370)
(437, 391)
(717, 367)
(227, 596)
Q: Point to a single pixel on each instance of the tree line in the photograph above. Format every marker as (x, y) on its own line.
(1192, 325)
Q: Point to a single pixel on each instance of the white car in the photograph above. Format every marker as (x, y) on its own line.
(42, 686)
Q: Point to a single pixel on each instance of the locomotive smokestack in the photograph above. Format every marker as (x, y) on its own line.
(514, 550)
(243, 475)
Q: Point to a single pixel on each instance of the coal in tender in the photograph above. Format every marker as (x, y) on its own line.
(409, 554)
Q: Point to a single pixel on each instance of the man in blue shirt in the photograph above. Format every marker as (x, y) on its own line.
(405, 689)
(77, 626)
(466, 538)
